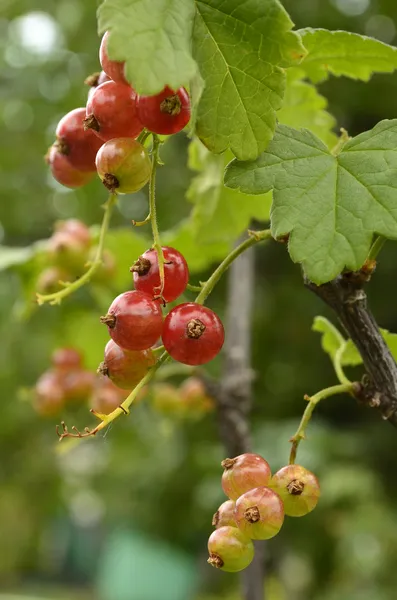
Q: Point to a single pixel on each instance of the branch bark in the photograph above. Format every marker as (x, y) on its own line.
(346, 296)
(233, 394)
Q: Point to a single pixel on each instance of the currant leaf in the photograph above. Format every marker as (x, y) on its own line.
(344, 53)
(153, 37)
(329, 205)
(241, 47)
(305, 107)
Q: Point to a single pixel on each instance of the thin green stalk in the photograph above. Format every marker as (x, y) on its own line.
(71, 287)
(153, 212)
(255, 237)
(376, 247)
(300, 433)
(337, 362)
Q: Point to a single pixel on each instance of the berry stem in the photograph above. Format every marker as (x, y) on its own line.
(376, 248)
(194, 288)
(254, 238)
(153, 213)
(300, 434)
(71, 287)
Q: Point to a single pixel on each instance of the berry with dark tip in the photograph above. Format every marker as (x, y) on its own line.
(225, 515)
(229, 549)
(123, 165)
(73, 141)
(298, 488)
(147, 277)
(125, 368)
(259, 513)
(165, 113)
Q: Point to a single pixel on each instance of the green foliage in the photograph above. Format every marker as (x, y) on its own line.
(329, 205)
(240, 48)
(154, 38)
(345, 53)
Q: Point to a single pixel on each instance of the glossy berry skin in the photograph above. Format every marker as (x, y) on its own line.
(165, 113)
(134, 321)
(125, 368)
(224, 516)
(229, 549)
(243, 473)
(66, 359)
(63, 171)
(113, 68)
(73, 141)
(192, 334)
(147, 277)
(111, 112)
(123, 165)
(298, 488)
(49, 394)
(106, 396)
(259, 513)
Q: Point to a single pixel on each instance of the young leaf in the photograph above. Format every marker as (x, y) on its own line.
(345, 53)
(153, 37)
(305, 107)
(240, 48)
(330, 205)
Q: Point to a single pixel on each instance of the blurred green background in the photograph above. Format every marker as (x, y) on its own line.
(127, 515)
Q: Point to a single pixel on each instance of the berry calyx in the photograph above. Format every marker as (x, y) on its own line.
(243, 473)
(63, 171)
(192, 334)
(147, 277)
(225, 515)
(96, 79)
(65, 359)
(73, 141)
(298, 488)
(125, 368)
(111, 112)
(259, 513)
(229, 549)
(166, 113)
(113, 68)
(134, 321)
(123, 165)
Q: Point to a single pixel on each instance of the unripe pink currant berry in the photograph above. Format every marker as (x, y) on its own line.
(76, 229)
(134, 321)
(298, 488)
(106, 396)
(229, 549)
(224, 516)
(49, 394)
(124, 368)
(194, 395)
(259, 513)
(78, 384)
(113, 68)
(64, 172)
(123, 165)
(243, 473)
(66, 359)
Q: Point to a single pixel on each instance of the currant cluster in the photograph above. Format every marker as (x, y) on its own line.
(102, 136)
(256, 507)
(68, 382)
(191, 333)
(189, 400)
(69, 249)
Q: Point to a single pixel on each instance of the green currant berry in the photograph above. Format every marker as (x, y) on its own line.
(259, 513)
(244, 473)
(298, 488)
(123, 165)
(225, 515)
(229, 549)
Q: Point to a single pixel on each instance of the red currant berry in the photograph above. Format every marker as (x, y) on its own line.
(299, 489)
(259, 513)
(193, 334)
(147, 276)
(73, 141)
(111, 112)
(125, 368)
(243, 473)
(49, 394)
(134, 321)
(229, 549)
(106, 396)
(75, 228)
(78, 384)
(166, 113)
(113, 68)
(225, 515)
(66, 359)
(63, 171)
(123, 165)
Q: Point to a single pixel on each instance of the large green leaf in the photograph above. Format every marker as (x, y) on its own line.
(329, 205)
(154, 38)
(345, 53)
(240, 47)
(305, 107)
